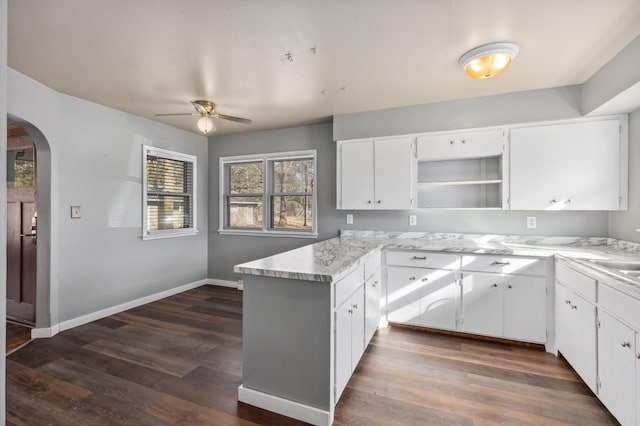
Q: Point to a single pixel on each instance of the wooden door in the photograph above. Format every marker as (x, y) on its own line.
(21, 229)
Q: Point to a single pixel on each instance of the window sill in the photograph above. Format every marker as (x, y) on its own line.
(168, 235)
(258, 233)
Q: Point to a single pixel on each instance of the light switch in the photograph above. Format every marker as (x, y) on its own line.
(76, 212)
(531, 222)
(349, 219)
(413, 220)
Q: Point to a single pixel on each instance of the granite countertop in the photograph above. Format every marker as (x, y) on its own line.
(330, 260)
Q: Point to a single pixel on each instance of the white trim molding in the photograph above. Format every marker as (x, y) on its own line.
(286, 407)
(224, 283)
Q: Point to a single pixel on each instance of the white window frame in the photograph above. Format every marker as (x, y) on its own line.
(148, 150)
(266, 160)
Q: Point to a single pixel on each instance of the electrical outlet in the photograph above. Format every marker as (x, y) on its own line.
(413, 220)
(349, 219)
(531, 222)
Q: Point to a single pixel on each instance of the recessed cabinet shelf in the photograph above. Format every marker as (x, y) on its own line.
(473, 183)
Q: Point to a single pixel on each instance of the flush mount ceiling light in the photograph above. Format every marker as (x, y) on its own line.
(488, 60)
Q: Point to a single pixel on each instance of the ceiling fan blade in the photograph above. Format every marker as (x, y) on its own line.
(167, 115)
(232, 118)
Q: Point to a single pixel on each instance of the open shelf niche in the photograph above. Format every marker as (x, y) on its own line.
(469, 183)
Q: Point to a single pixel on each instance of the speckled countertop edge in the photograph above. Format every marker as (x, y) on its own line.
(332, 259)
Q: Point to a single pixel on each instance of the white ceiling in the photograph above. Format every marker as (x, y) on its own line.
(154, 56)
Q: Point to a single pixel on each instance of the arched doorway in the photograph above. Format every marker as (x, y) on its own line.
(43, 311)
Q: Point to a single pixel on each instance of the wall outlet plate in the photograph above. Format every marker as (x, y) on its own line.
(76, 212)
(413, 220)
(531, 222)
(349, 219)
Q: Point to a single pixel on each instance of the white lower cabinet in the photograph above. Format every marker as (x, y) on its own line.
(509, 306)
(637, 405)
(350, 325)
(482, 300)
(617, 368)
(420, 296)
(372, 293)
(576, 333)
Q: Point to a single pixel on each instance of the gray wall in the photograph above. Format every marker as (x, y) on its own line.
(549, 104)
(3, 199)
(228, 250)
(623, 225)
(100, 261)
(616, 76)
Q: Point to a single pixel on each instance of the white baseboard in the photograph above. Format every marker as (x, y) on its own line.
(84, 319)
(286, 407)
(39, 333)
(223, 283)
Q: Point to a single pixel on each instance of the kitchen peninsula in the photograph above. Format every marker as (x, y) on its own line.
(309, 313)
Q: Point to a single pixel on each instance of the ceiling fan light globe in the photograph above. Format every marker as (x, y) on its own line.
(206, 125)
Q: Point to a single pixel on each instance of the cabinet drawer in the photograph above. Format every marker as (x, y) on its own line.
(423, 259)
(347, 285)
(620, 305)
(372, 266)
(505, 265)
(576, 281)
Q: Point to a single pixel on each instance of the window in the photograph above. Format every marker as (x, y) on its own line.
(269, 194)
(168, 194)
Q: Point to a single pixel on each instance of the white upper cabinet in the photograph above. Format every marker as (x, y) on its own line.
(570, 166)
(376, 174)
(451, 146)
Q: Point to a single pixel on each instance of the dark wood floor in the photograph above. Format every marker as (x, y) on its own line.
(17, 335)
(178, 361)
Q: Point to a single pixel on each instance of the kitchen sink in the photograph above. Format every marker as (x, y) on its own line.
(630, 268)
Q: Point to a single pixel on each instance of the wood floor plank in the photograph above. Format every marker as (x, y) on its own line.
(179, 361)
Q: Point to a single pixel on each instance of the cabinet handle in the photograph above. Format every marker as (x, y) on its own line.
(350, 311)
(553, 201)
(464, 141)
(574, 307)
(379, 201)
(638, 355)
(450, 142)
(412, 278)
(419, 258)
(625, 344)
(355, 306)
(369, 202)
(569, 200)
(375, 283)
(425, 279)
(501, 263)
(509, 286)
(567, 302)
(494, 285)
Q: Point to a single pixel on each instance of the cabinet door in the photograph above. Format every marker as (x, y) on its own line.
(576, 333)
(357, 326)
(616, 368)
(481, 144)
(403, 294)
(525, 308)
(482, 304)
(394, 174)
(439, 299)
(372, 305)
(343, 346)
(566, 166)
(356, 168)
(437, 147)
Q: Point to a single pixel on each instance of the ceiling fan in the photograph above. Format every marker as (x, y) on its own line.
(207, 112)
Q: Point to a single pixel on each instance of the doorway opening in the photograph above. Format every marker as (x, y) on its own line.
(22, 220)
